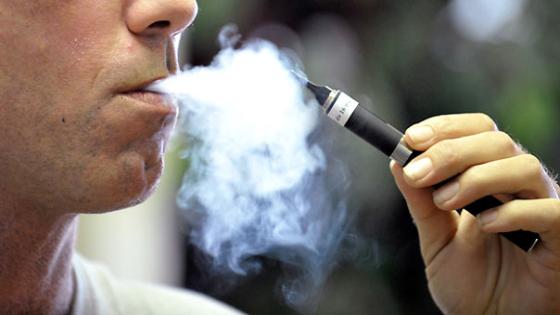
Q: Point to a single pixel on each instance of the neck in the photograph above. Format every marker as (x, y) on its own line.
(35, 261)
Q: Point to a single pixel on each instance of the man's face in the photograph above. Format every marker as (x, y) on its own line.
(74, 135)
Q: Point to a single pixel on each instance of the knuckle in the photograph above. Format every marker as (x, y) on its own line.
(474, 180)
(486, 122)
(444, 153)
(506, 143)
(534, 166)
(446, 128)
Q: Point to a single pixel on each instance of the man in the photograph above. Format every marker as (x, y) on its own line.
(79, 135)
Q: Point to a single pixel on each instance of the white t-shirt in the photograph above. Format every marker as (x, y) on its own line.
(97, 292)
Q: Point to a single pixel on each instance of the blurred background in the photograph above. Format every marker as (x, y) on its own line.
(405, 61)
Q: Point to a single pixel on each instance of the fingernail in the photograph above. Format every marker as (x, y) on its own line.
(418, 169)
(488, 216)
(446, 192)
(420, 134)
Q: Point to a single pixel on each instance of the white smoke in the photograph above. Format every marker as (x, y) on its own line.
(257, 184)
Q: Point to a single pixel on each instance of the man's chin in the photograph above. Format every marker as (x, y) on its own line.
(143, 183)
(134, 183)
(152, 176)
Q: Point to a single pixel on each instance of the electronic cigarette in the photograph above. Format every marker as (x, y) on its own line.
(347, 112)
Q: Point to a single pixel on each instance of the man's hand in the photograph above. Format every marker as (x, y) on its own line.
(471, 270)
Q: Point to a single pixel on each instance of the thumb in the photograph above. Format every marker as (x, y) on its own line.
(435, 227)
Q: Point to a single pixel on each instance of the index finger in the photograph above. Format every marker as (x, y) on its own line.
(424, 134)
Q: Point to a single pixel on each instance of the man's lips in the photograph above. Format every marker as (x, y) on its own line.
(151, 98)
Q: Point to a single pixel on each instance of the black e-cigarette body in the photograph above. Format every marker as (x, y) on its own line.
(348, 113)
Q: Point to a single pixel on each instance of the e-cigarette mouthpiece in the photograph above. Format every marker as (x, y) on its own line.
(347, 112)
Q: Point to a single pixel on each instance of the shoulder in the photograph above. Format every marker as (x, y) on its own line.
(99, 292)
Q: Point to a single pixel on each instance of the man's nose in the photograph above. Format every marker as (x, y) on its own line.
(160, 17)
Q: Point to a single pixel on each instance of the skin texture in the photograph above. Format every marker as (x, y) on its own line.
(73, 138)
(470, 269)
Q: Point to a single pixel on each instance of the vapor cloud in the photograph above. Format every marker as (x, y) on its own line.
(258, 185)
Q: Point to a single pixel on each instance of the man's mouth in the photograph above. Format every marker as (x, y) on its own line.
(142, 94)
(151, 98)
